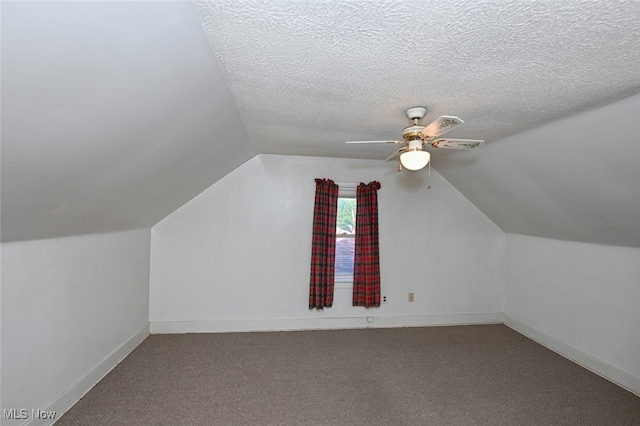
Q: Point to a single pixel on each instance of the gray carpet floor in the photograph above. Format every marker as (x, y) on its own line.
(460, 375)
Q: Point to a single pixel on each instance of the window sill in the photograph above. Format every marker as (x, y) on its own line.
(343, 286)
(346, 283)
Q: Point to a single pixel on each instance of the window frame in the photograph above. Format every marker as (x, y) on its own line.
(345, 190)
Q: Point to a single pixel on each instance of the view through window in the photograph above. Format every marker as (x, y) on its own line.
(345, 239)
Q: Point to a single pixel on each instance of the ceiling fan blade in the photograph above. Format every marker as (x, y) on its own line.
(395, 154)
(439, 127)
(457, 143)
(374, 142)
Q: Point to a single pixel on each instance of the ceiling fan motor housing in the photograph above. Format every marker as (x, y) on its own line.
(412, 132)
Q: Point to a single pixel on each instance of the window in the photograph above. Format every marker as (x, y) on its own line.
(345, 235)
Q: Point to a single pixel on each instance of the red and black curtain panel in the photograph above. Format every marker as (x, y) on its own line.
(366, 271)
(323, 245)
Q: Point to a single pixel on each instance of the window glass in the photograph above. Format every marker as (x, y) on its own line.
(345, 239)
(346, 216)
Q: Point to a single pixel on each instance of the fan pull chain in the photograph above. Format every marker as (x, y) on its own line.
(429, 179)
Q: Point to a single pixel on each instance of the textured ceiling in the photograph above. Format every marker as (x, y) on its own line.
(116, 113)
(308, 76)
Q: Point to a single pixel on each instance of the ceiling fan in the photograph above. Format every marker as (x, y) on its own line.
(412, 155)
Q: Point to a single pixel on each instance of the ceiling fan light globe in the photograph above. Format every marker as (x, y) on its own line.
(414, 160)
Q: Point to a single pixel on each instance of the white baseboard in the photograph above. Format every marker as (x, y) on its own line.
(225, 326)
(76, 391)
(591, 363)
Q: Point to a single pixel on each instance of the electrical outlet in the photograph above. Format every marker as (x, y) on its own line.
(410, 297)
(384, 299)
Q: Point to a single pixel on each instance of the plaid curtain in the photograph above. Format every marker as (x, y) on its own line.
(366, 271)
(323, 245)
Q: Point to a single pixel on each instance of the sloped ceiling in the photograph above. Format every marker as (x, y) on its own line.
(574, 179)
(116, 113)
(113, 115)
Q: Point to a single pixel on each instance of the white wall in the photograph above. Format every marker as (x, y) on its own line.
(579, 299)
(69, 306)
(237, 256)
